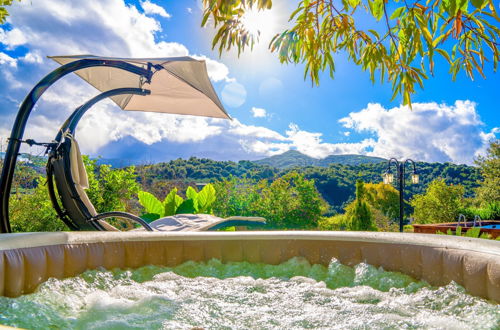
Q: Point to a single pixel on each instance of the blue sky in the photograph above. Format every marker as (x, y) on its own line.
(274, 109)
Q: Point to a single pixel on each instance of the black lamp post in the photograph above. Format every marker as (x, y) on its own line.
(389, 178)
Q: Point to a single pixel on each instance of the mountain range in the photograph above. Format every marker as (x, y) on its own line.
(294, 158)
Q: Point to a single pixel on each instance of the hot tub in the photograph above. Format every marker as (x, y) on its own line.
(29, 259)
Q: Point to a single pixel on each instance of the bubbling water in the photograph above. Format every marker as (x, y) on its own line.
(219, 295)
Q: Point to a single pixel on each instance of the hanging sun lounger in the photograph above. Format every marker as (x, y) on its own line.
(176, 85)
(65, 167)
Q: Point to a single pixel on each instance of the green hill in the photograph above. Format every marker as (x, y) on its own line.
(336, 182)
(294, 158)
(350, 160)
(291, 158)
(335, 176)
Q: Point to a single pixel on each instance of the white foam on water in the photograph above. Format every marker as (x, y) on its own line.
(241, 295)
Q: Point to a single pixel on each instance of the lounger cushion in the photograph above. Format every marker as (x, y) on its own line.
(196, 222)
(78, 171)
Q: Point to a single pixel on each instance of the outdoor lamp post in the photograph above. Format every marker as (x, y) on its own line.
(389, 178)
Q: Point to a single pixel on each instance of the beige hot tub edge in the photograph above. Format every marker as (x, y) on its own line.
(26, 260)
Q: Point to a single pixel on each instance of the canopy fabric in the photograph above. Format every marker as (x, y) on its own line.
(181, 87)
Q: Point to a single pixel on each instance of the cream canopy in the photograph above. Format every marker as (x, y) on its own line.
(181, 87)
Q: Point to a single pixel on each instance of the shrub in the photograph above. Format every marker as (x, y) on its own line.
(33, 211)
(109, 190)
(336, 222)
(195, 202)
(490, 212)
(440, 203)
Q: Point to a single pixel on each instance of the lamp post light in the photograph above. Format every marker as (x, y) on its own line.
(389, 178)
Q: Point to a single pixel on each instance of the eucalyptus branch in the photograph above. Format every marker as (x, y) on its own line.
(321, 29)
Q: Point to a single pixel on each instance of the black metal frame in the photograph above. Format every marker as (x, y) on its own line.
(25, 111)
(56, 150)
(400, 166)
(116, 214)
(73, 120)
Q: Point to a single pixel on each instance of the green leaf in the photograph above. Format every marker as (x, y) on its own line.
(444, 54)
(354, 3)
(171, 203)
(438, 40)
(398, 12)
(377, 8)
(149, 217)
(205, 19)
(191, 193)
(478, 3)
(427, 35)
(450, 6)
(474, 232)
(463, 5)
(206, 197)
(186, 207)
(458, 232)
(150, 203)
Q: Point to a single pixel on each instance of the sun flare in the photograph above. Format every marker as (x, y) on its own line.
(262, 24)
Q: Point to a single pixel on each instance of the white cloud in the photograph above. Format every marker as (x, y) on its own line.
(182, 136)
(6, 59)
(76, 27)
(253, 132)
(153, 9)
(311, 144)
(189, 10)
(32, 58)
(429, 132)
(258, 112)
(12, 38)
(81, 27)
(217, 71)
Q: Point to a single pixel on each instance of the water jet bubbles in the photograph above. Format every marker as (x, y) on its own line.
(248, 295)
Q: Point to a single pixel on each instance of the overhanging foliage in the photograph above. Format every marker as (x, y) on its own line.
(400, 46)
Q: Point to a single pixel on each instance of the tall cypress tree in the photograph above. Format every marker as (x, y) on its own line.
(359, 215)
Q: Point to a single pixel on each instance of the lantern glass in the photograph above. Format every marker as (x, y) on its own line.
(388, 178)
(415, 178)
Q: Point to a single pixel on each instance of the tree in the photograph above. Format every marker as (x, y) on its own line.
(401, 50)
(237, 197)
(383, 197)
(358, 213)
(289, 202)
(440, 203)
(489, 165)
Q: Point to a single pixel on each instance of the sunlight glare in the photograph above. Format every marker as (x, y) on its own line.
(260, 23)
